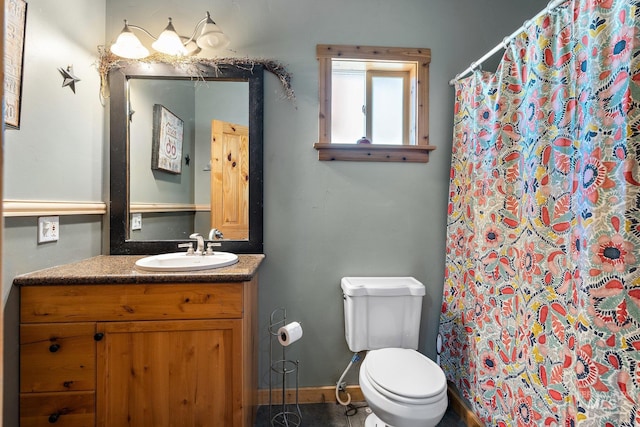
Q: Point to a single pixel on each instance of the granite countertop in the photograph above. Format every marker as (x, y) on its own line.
(120, 269)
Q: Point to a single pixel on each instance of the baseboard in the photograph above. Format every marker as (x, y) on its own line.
(326, 394)
(460, 407)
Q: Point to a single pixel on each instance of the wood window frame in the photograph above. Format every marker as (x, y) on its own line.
(372, 152)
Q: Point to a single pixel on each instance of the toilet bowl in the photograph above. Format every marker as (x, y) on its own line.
(403, 388)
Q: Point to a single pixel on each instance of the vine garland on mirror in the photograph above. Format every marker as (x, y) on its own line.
(108, 61)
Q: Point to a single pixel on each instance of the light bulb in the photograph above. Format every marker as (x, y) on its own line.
(127, 45)
(212, 36)
(169, 42)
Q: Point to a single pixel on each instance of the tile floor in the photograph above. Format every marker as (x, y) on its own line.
(333, 415)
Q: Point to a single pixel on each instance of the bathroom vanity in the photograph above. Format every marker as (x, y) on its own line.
(103, 344)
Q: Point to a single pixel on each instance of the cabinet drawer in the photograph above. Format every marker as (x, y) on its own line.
(57, 357)
(130, 302)
(70, 409)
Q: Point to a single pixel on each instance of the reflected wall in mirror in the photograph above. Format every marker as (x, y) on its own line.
(220, 184)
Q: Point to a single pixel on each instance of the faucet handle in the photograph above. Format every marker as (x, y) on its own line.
(210, 248)
(187, 245)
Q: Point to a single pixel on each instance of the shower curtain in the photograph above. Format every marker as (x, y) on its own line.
(540, 322)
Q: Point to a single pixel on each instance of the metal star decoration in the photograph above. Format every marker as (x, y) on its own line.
(69, 78)
(187, 160)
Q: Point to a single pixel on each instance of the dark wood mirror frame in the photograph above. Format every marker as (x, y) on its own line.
(119, 153)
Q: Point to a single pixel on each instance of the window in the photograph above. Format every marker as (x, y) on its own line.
(373, 93)
(370, 103)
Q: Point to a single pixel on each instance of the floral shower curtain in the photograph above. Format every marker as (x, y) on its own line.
(541, 310)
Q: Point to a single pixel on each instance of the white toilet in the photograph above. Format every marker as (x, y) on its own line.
(402, 387)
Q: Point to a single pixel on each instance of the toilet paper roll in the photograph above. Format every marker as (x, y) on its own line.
(289, 333)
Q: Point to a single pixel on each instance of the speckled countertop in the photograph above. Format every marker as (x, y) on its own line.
(119, 269)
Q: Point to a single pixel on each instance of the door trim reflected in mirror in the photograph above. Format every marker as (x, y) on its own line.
(119, 79)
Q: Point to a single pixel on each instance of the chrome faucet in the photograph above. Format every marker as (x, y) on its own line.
(200, 240)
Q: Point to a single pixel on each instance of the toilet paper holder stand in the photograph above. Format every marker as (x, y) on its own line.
(288, 413)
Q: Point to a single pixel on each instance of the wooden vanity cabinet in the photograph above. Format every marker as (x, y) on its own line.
(139, 355)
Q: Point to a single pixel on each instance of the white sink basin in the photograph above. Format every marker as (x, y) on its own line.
(180, 261)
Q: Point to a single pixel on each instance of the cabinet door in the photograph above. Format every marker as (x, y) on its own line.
(57, 357)
(170, 373)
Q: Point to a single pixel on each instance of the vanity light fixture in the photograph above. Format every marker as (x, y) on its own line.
(169, 42)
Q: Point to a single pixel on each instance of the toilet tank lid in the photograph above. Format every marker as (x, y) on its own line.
(382, 286)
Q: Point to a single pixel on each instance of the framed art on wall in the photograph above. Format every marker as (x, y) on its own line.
(168, 131)
(15, 24)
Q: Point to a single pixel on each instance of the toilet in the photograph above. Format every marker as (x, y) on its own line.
(402, 387)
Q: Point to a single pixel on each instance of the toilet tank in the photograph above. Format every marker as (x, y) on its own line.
(381, 312)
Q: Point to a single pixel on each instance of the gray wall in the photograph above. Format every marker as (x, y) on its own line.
(59, 153)
(323, 220)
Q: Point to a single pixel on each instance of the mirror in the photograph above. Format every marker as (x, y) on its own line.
(189, 190)
(186, 156)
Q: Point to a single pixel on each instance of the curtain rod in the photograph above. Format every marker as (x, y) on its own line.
(505, 42)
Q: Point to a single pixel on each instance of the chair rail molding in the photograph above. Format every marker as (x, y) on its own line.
(24, 208)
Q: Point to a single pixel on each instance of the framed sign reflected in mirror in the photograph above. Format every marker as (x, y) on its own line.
(168, 131)
(15, 23)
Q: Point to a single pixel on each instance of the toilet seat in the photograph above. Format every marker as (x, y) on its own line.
(404, 375)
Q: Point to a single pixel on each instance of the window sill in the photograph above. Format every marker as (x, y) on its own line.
(374, 153)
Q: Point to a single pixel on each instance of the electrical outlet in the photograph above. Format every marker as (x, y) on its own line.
(136, 221)
(48, 229)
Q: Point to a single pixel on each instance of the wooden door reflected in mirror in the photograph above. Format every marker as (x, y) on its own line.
(230, 179)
